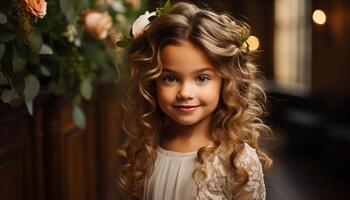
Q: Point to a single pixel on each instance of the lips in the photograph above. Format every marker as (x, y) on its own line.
(186, 108)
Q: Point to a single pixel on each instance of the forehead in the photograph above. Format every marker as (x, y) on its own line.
(184, 57)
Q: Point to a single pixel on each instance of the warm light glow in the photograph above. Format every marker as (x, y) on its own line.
(253, 43)
(319, 17)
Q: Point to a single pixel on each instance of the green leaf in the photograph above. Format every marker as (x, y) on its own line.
(79, 117)
(31, 87)
(68, 9)
(7, 96)
(167, 7)
(85, 3)
(7, 37)
(122, 43)
(2, 50)
(3, 18)
(70, 15)
(18, 63)
(86, 89)
(3, 79)
(29, 104)
(35, 41)
(45, 49)
(65, 5)
(45, 71)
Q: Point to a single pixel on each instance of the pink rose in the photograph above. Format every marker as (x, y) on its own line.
(105, 2)
(97, 23)
(35, 7)
(135, 3)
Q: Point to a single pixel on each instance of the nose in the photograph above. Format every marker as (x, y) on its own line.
(185, 91)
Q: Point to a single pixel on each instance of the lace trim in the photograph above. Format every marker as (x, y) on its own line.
(216, 185)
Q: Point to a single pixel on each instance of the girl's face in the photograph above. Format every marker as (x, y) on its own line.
(188, 90)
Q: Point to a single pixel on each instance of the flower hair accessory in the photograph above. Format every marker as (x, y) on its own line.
(243, 36)
(142, 22)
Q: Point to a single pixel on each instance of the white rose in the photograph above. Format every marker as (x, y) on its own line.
(141, 22)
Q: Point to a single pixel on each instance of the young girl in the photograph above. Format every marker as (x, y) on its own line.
(192, 111)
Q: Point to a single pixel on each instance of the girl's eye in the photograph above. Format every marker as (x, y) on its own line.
(169, 78)
(202, 78)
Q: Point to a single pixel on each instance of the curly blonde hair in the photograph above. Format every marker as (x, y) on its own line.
(237, 116)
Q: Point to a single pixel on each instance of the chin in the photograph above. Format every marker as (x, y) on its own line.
(185, 122)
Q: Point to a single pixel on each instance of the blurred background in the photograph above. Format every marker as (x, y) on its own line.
(61, 146)
(304, 58)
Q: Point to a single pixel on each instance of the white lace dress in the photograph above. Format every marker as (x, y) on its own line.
(172, 177)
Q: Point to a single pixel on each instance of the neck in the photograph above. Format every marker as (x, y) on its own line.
(187, 137)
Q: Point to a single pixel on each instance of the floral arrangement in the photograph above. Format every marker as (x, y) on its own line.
(62, 47)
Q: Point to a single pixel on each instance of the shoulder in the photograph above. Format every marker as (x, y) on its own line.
(249, 160)
(218, 173)
(248, 157)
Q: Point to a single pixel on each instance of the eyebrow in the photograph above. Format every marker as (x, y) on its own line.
(197, 71)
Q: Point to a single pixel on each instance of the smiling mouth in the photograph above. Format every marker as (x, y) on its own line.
(186, 108)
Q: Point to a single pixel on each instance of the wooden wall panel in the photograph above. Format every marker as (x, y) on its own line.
(15, 154)
(107, 129)
(70, 157)
(47, 157)
(75, 166)
(12, 183)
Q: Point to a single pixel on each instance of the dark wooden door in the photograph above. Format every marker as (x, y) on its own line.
(46, 156)
(18, 164)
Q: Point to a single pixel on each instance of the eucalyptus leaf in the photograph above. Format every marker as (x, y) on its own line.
(70, 15)
(2, 50)
(45, 71)
(68, 9)
(31, 87)
(66, 5)
(45, 49)
(29, 104)
(79, 117)
(18, 63)
(7, 37)
(7, 96)
(86, 89)
(35, 41)
(3, 18)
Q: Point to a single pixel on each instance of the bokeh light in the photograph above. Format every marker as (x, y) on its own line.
(253, 42)
(319, 17)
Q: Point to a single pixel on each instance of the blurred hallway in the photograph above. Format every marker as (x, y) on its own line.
(310, 150)
(304, 179)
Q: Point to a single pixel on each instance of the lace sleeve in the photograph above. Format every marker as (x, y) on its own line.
(255, 188)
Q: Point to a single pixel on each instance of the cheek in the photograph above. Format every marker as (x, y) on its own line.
(212, 93)
(164, 95)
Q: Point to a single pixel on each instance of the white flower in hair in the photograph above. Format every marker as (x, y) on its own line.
(141, 22)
